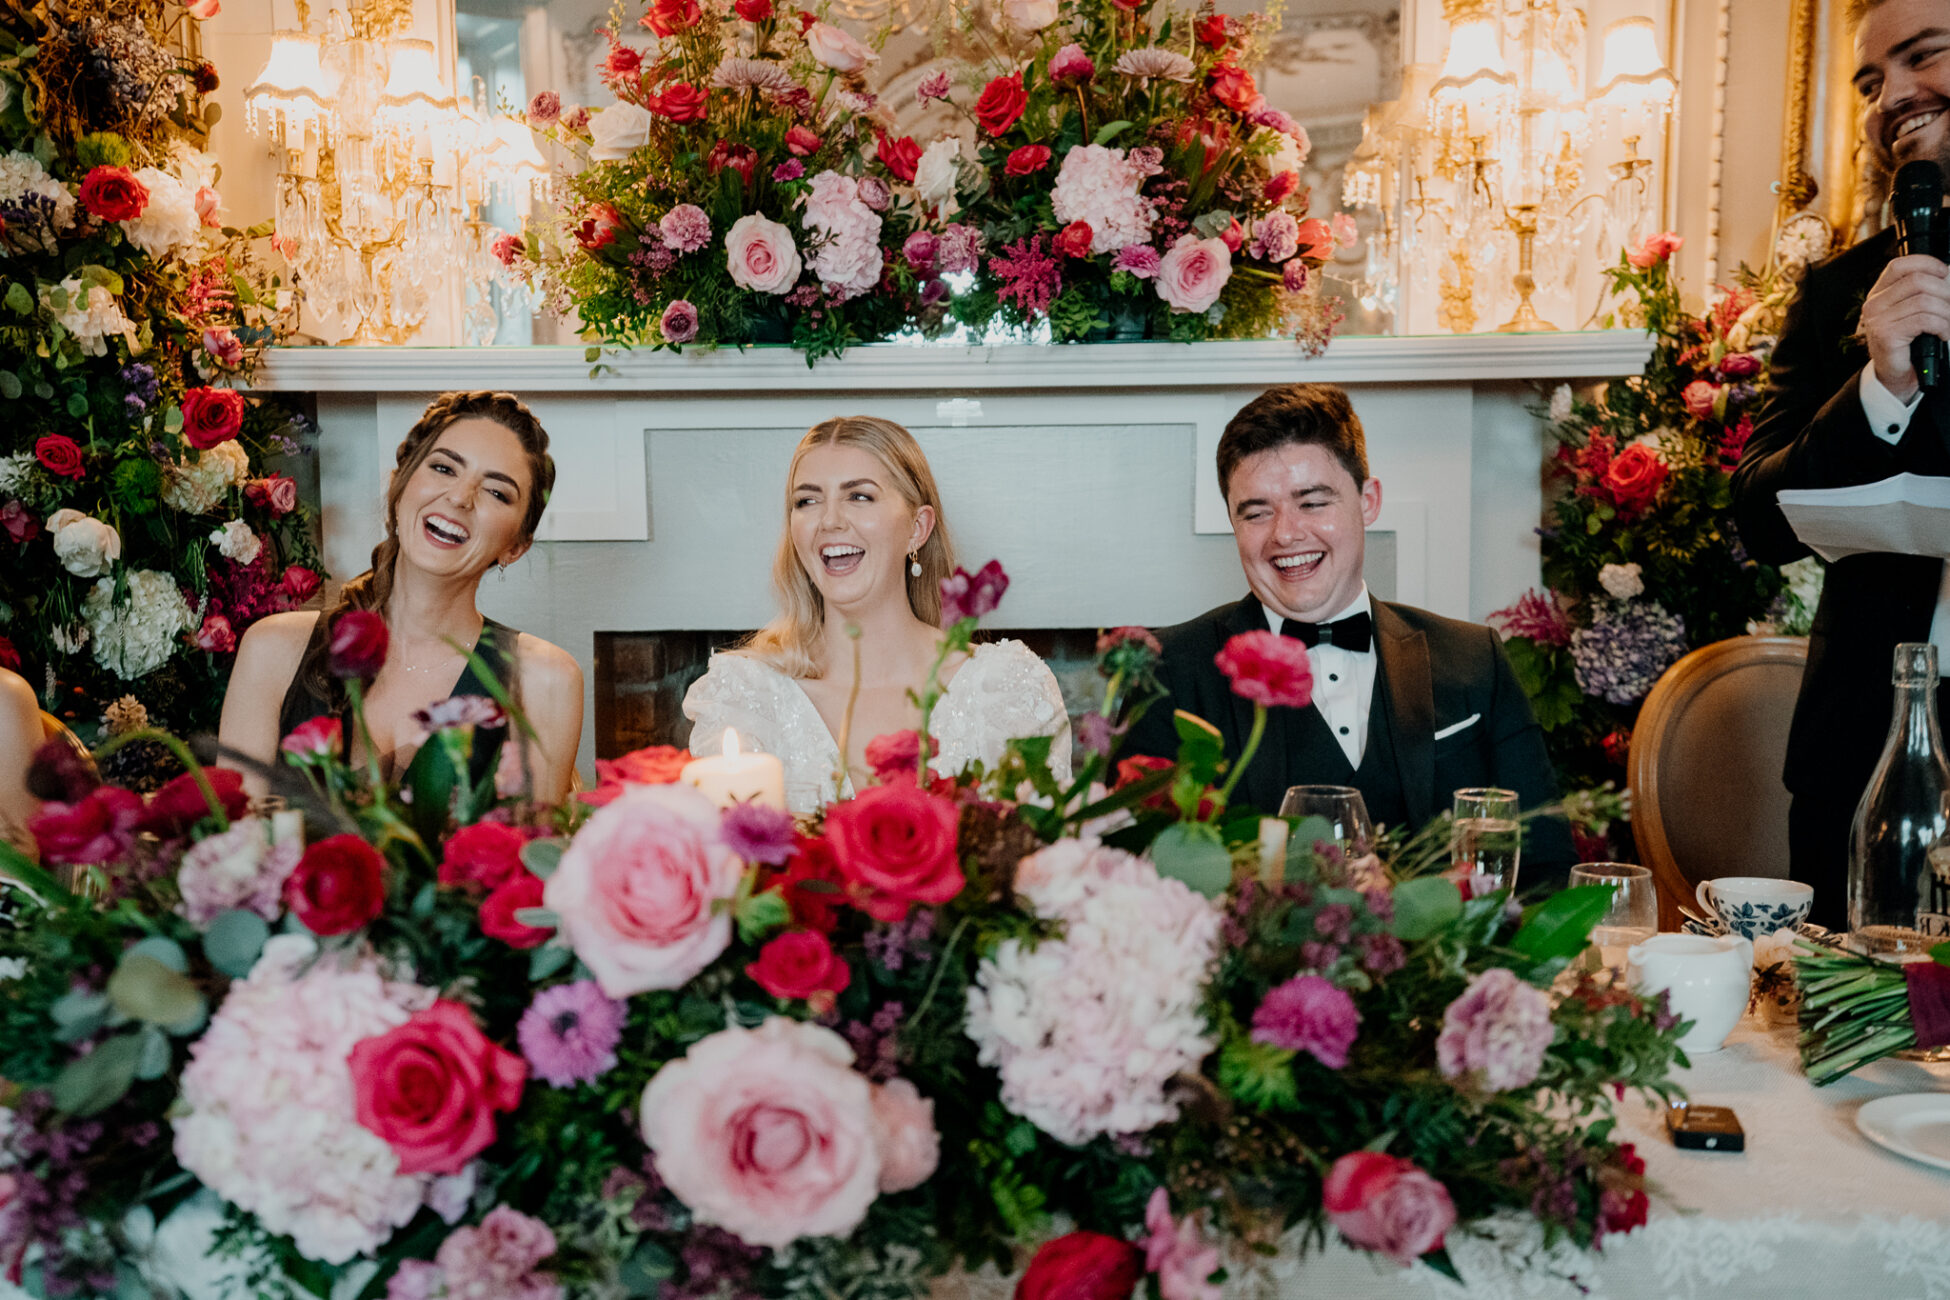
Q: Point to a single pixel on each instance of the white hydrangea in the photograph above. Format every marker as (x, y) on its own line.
(169, 224)
(21, 174)
(1087, 1030)
(92, 315)
(1099, 185)
(197, 489)
(1621, 581)
(137, 638)
(236, 541)
(270, 1123)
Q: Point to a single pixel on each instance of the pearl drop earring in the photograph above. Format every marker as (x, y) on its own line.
(913, 565)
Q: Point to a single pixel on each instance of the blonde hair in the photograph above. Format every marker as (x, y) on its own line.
(790, 642)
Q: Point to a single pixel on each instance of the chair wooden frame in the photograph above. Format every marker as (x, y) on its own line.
(1668, 700)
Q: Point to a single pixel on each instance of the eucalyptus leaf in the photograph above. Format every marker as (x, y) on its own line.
(547, 960)
(78, 1015)
(10, 385)
(77, 406)
(1424, 905)
(167, 951)
(1192, 852)
(145, 989)
(234, 940)
(152, 1056)
(536, 918)
(19, 301)
(91, 1084)
(644, 1272)
(541, 857)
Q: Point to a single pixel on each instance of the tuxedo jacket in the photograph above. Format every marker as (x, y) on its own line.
(1447, 712)
(1813, 433)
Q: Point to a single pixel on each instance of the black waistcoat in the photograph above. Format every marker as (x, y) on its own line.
(1317, 758)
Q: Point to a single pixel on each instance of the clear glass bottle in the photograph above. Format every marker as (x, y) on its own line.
(1899, 845)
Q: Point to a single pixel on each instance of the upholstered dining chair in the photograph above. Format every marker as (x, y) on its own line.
(1705, 766)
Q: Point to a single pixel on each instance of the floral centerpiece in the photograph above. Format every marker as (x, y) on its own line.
(645, 1045)
(1640, 555)
(143, 532)
(1128, 178)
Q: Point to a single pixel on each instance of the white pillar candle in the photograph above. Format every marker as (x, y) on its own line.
(737, 778)
(1273, 833)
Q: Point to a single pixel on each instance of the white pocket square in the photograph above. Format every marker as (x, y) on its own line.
(1469, 721)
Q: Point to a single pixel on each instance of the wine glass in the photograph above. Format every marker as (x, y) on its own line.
(1349, 827)
(1485, 840)
(1634, 913)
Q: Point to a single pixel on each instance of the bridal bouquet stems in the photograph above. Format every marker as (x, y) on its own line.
(1856, 1010)
(417, 1041)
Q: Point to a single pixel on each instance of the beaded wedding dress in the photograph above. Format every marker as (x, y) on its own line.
(1001, 692)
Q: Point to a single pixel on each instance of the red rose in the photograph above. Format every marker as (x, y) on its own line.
(801, 141)
(216, 635)
(895, 845)
(358, 645)
(1268, 669)
(657, 765)
(99, 828)
(1617, 745)
(1028, 160)
(298, 584)
(1082, 1266)
(9, 656)
(1281, 188)
(1622, 1202)
(683, 102)
(499, 907)
(1074, 239)
(669, 17)
(812, 862)
(899, 156)
(338, 886)
(113, 194)
(1001, 104)
(211, 416)
(898, 753)
(1635, 477)
(180, 804)
(431, 1088)
(801, 964)
(754, 11)
(487, 854)
(1233, 87)
(1654, 249)
(58, 454)
(1212, 32)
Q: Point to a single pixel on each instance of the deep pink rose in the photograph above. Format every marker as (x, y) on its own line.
(1699, 397)
(499, 907)
(208, 206)
(767, 1133)
(1268, 669)
(180, 805)
(224, 348)
(1654, 250)
(216, 635)
(1027, 161)
(898, 753)
(357, 648)
(1739, 365)
(298, 584)
(486, 854)
(899, 155)
(801, 964)
(636, 893)
(277, 494)
(432, 1087)
(919, 250)
(895, 844)
(1193, 272)
(1082, 1266)
(1071, 64)
(100, 828)
(971, 595)
(1388, 1205)
(338, 886)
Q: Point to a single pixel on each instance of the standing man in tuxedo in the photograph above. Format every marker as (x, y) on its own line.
(1844, 407)
(1408, 706)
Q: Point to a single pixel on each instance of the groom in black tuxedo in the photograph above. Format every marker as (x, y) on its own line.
(1408, 706)
(1844, 407)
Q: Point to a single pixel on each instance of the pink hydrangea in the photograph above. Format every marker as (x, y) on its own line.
(686, 228)
(1308, 1014)
(1099, 185)
(1175, 1250)
(238, 868)
(1496, 1032)
(846, 234)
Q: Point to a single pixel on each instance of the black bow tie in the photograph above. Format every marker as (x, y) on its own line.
(1355, 632)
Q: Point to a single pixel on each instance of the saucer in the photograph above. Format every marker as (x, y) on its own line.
(1912, 1124)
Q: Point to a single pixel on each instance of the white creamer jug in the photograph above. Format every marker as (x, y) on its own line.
(1706, 981)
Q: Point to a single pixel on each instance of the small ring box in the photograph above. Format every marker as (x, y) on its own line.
(1705, 1128)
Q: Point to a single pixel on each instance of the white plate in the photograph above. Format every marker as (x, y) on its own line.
(1913, 1124)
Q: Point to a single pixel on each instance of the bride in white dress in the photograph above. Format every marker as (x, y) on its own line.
(865, 545)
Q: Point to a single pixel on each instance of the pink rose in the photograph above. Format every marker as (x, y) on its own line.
(634, 894)
(277, 494)
(216, 635)
(767, 1133)
(545, 109)
(1193, 271)
(1654, 250)
(761, 254)
(836, 49)
(1699, 397)
(1386, 1204)
(903, 1130)
(204, 10)
(431, 1088)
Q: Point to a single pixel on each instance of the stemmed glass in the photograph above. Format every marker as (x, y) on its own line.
(1634, 913)
(1349, 827)
(1485, 840)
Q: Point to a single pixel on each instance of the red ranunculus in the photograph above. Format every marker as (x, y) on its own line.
(669, 17)
(1233, 86)
(656, 765)
(298, 584)
(487, 854)
(1268, 669)
(802, 141)
(58, 454)
(1001, 104)
(1028, 160)
(113, 194)
(338, 886)
(754, 11)
(1635, 477)
(98, 828)
(431, 1088)
(1212, 32)
(212, 416)
(1083, 1266)
(682, 102)
(800, 964)
(899, 155)
(357, 647)
(895, 845)
(180, 804)
(1074, 239)
(499, 907)
(1281, 188)
(898, 753)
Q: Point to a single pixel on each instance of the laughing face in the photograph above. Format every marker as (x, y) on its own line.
(463, 509)
(850, 529)
(1902, 61)
(1300, 521)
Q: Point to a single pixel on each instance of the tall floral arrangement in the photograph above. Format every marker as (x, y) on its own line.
(1128, 179)
(1640, 555)
(143, 532)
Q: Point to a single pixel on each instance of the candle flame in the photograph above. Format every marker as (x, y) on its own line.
(730, 743)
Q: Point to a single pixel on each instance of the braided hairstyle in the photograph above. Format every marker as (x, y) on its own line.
(373, 589)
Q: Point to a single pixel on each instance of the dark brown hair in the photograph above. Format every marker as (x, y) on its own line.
(1307, 414)
(373, 589)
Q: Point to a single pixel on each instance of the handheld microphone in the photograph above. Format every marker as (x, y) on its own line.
(1917, 202)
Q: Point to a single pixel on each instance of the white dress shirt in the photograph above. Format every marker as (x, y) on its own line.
(1889, 418)
(1343, 681)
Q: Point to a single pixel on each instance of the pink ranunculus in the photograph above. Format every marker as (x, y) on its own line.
(767, 1133)
(679, 321)
(904, 1132)
(1496, 1033)
(1193, 272)
(761, 255)
(1070, 64)
(833, 48)
(1268, 669)
(1655, 249)
(1389, 1205)
(636, 892)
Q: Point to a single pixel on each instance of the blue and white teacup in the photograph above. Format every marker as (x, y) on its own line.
(1751, 906)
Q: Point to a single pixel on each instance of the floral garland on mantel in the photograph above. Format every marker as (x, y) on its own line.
(142, 532)
(1120, 176)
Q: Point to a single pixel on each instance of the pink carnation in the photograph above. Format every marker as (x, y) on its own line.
(1308, 1014)
(499, 1258)
(686, 228)
(1194, 272)
(1140, 260)
(1277, 237)
(1497, 1031)
(958, 248)
(933, 86)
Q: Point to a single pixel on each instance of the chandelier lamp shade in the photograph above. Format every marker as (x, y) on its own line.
(293, 91)
(1633, 77)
